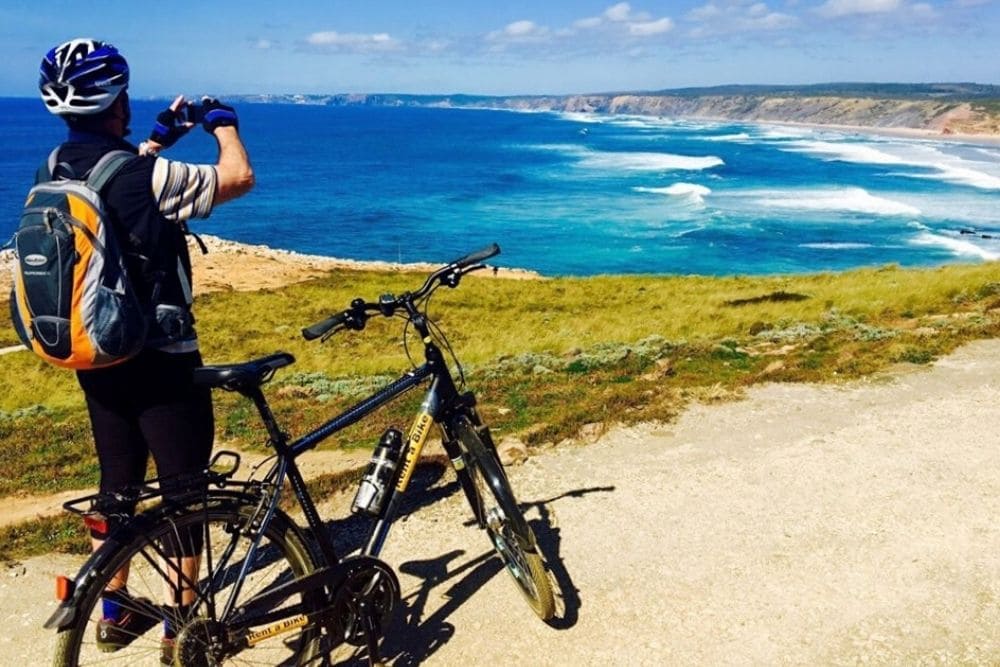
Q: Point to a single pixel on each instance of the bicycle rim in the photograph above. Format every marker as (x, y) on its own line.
(280, 556)
(510, 534)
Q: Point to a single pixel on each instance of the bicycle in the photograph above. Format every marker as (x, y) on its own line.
(265, 592)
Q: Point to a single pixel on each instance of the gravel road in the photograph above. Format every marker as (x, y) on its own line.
(802, 525)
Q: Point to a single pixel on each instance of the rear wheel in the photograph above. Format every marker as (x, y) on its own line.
(223, 528)
(511, 535)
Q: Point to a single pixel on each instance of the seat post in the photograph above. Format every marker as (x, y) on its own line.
(278, 438)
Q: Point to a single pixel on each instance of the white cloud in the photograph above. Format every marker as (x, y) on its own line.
(838, 8)
(622, 13)
(520, 31)
(736, 16)
(521, 28)
(707, 12)
(588, 23)
(924, 10)
(353, 42)
(618, 13)
(263, 44)
(647, 28)
(616, 27)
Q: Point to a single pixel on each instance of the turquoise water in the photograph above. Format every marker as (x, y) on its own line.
(577, 194)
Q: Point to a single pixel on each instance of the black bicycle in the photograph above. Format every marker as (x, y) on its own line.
(264, 592)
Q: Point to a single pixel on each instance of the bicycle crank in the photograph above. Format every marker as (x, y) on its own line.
(363, 603)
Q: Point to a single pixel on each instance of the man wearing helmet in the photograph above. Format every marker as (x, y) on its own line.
(148, 404)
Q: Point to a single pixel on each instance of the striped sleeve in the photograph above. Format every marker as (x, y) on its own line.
(183, 190)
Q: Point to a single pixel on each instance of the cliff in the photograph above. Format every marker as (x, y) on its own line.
(943, 108)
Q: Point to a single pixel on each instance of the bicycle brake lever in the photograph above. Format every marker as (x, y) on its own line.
(453, 278)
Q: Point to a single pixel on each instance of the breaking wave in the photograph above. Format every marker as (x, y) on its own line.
(850, 200)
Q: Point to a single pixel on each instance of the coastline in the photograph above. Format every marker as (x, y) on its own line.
(984, 139)
(990, 139)
(234, 266)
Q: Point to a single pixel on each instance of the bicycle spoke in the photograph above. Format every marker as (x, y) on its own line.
(280, 558)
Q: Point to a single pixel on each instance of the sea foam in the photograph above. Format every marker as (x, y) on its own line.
(738, 137)
(851, 200)
(836, 246)
(942, 165)
(957, 246)
(690, 191)
(647, 161)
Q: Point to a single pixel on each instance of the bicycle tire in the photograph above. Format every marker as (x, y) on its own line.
(512, 537)
(281, 554)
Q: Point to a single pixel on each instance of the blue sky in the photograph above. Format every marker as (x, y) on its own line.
(448, 46)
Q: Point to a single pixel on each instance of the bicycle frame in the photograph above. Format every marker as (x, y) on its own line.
(441, 403)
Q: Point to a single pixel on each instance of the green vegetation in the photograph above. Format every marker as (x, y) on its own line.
(544, 356)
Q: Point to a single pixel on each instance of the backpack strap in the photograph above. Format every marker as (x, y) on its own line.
(48, 168)
(106, 168)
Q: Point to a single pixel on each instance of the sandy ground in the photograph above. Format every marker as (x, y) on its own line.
(802, 525)
(240, 267)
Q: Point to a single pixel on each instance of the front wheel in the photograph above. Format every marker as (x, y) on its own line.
(495, 506)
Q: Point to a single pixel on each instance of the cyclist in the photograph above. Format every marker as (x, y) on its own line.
(148, 404)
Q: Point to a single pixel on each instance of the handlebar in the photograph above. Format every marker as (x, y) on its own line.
(356, 316)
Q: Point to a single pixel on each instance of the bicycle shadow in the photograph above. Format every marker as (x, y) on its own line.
(412, 638)
(549, 536)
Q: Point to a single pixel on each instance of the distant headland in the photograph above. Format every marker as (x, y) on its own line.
(939, 108)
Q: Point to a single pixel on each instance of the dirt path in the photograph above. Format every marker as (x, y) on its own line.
(803, 525)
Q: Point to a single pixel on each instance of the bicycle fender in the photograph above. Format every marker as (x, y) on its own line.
(65, 614)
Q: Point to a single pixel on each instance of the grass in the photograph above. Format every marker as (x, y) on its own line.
(544, 357)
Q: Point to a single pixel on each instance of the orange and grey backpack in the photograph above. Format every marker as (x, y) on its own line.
(73, 303)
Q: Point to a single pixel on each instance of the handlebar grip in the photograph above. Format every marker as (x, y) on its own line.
(316, 330)
(478, 256)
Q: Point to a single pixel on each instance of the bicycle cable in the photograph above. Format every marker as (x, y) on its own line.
(441, 338)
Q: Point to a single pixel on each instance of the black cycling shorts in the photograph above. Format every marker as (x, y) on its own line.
(148, 405)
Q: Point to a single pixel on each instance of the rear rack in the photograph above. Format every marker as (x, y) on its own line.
(219, 472)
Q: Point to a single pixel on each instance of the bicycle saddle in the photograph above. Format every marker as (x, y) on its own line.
(242, 377)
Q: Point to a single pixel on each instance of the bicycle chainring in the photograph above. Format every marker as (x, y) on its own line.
(365, 599)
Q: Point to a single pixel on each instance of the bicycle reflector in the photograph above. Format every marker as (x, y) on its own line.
(64, 588)
(96, 522)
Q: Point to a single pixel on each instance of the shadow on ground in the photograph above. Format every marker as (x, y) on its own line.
(413, 636)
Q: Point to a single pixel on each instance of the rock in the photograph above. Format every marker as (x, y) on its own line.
(774, 367)
(591, 432)
(540, 370)
(512, 451)
(664, 368)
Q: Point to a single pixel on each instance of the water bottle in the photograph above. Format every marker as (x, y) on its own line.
(380, 475)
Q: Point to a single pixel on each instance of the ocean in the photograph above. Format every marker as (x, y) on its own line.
(575, 194)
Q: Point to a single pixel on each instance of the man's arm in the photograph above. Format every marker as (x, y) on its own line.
(184, 191)
(235, 175)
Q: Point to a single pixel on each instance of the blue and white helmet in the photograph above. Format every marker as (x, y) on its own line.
(82, 76)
